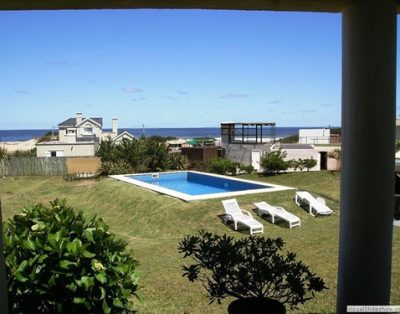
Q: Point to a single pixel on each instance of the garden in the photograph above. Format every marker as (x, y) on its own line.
(155, 225)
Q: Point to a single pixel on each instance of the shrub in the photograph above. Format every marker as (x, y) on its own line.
(246, 168)
(336, 154)
(273, 161)
(218, 165)
(110, 168)
(23, 153)
(143, 155)
(248, 267)
(59, 262)
(309, 163)
(177, 161)
(3, 153)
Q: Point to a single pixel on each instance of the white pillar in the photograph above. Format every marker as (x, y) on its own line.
(368, 127)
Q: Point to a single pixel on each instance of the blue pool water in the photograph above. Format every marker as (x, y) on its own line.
(195, 183)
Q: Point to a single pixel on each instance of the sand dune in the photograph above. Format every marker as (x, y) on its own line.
(24, 145)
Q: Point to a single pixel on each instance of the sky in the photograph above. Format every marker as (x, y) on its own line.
(169, 68)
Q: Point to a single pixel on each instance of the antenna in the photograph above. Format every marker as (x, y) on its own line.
(143, 130)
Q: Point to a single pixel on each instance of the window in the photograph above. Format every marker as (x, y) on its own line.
(254, 133)
(88, 130)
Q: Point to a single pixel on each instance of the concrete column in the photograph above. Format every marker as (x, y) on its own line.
(368, 125)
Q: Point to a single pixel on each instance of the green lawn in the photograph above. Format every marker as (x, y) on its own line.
(154, 224)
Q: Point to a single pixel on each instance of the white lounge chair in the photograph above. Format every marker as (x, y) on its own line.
(316, 206)
(264, 208)
(237, 215)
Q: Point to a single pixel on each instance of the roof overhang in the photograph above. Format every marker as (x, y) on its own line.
(267, 5)
(86, 120)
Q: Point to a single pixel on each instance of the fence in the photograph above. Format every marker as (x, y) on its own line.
(48, 166)
(200, 154)
(87, 165)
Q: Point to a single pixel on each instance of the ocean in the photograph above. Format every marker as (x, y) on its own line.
(24, 135)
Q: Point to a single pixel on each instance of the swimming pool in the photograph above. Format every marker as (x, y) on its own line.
(194, 185)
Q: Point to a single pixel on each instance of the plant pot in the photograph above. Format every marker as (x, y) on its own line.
(256, 306)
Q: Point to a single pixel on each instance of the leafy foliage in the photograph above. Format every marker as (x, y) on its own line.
(336, 154)
(247, 168)
(3, 153)
(309, 163)
(300, 163)
(138, 155)
(226, 166)
(248, 267)
(23, 153)
(59, 262)
(273, 161)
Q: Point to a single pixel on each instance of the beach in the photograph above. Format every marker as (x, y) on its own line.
(20, 145)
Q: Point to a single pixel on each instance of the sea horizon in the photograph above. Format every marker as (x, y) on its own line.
(18, 135)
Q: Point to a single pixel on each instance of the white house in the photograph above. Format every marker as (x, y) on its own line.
(314, 136)
(79, 137)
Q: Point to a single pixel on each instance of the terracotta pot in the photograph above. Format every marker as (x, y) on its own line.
(256, 306)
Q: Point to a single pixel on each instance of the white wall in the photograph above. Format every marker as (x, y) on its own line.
(304, 154)
(66, 150)
(314, 136)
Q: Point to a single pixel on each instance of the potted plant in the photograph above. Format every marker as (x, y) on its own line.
(251, 269)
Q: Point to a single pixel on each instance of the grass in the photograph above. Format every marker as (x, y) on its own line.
(154, 224)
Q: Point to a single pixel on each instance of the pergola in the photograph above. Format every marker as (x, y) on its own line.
(368, 99)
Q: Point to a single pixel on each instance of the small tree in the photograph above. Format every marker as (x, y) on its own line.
(247, 268)
(273, 161)
(57, 261)
(106, 150)
(309, 163)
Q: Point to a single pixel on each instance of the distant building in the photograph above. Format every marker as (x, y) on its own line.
(246, 142)
(175, 146)
(314, 136)
(79, 137)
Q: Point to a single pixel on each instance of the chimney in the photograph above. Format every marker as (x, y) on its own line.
(114, 125)
(79, 117)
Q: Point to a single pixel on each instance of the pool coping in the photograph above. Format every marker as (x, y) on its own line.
(189, 198)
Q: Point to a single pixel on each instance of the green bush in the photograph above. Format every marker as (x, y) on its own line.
(248, 267)
(273, 161)
(3, 153)
(57, 261)
(309, 163)
(110, 168)
(218, 165)
(138, 155)
(247, 168)
(177, 161)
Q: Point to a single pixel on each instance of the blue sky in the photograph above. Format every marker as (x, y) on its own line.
(169, 68)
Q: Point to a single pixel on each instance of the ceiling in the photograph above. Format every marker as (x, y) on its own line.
(269, 5)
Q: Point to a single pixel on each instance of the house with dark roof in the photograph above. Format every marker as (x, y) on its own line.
(79, 137)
